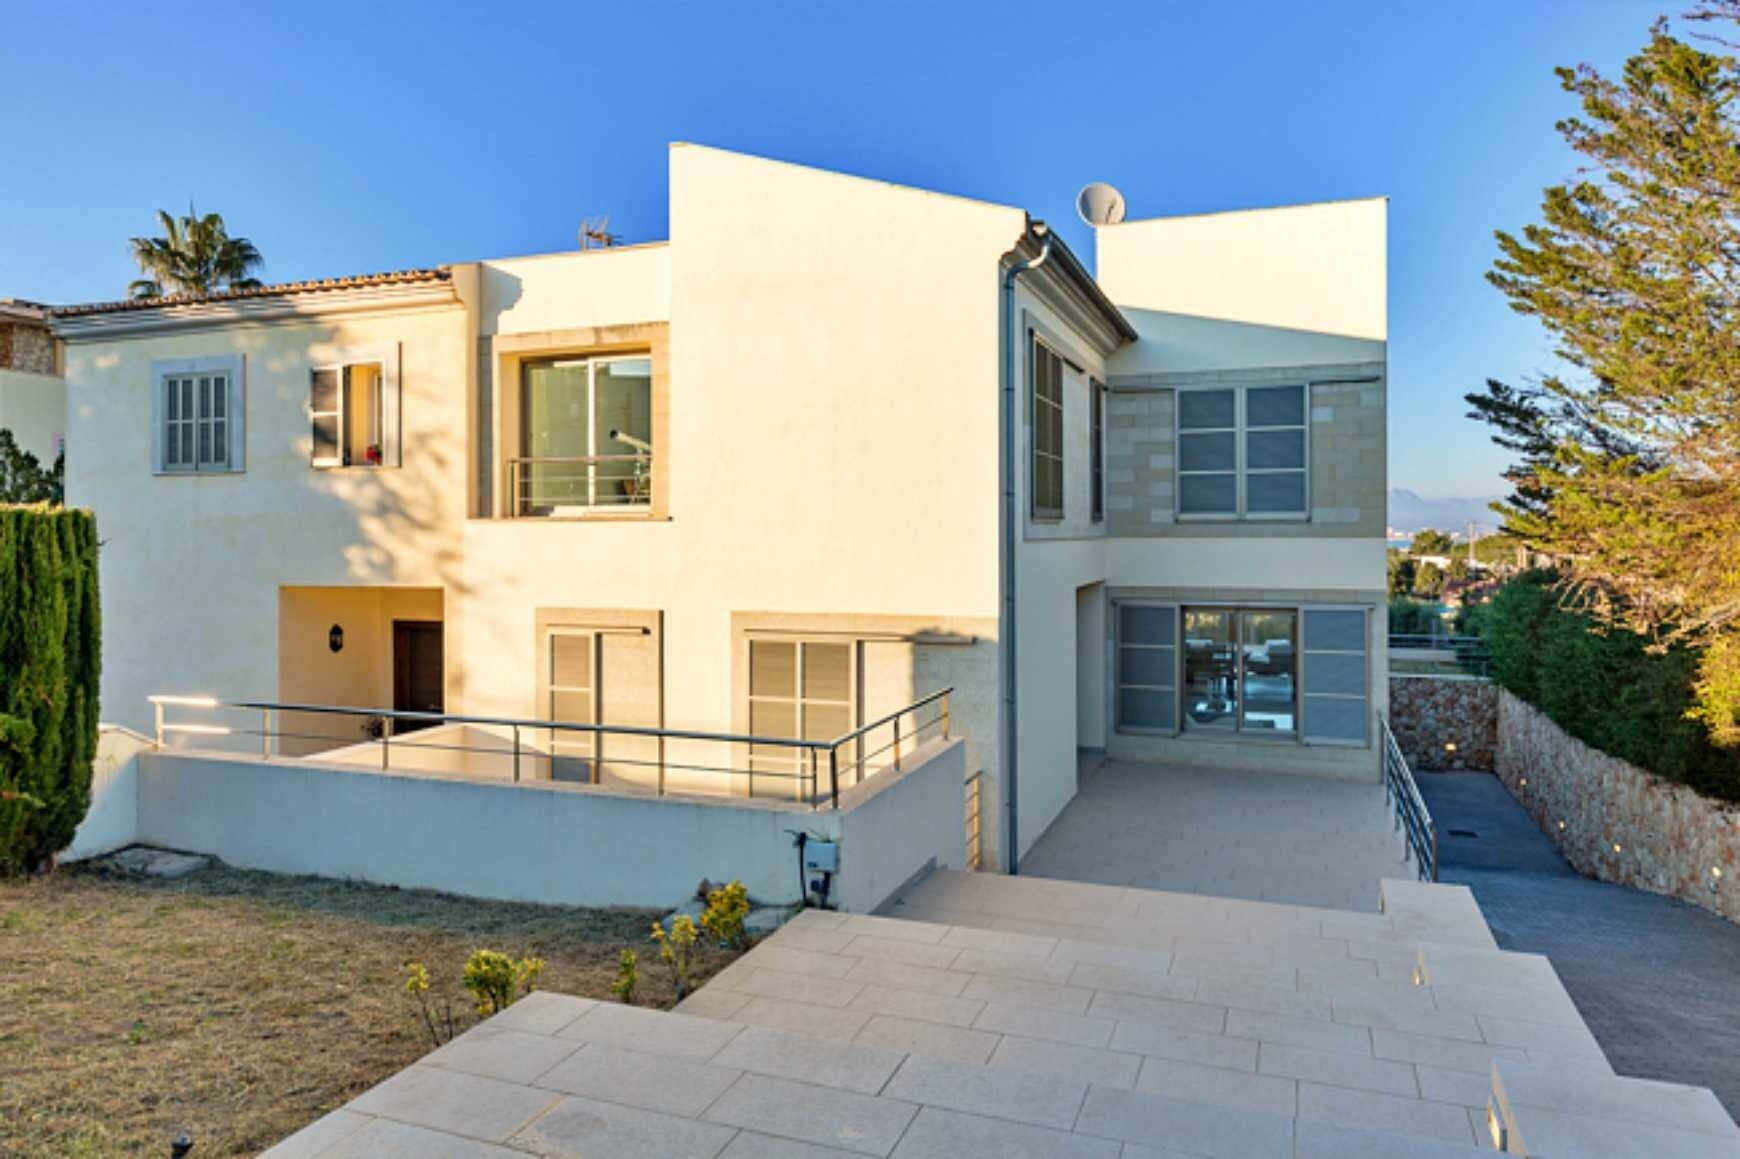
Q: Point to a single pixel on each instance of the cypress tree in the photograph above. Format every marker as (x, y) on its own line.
(50, 639)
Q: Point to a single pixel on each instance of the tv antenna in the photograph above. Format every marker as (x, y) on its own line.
(595, 233)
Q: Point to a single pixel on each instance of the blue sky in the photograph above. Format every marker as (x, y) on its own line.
(374, 136)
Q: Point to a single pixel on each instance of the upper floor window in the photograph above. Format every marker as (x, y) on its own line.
(197, 412)
(586, 430)
(1046, 469)
(353, 407)
(1242, 452)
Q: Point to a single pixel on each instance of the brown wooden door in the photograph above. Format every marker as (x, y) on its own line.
(419, 674)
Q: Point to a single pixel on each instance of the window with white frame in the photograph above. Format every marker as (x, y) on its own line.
(1046, 469)
(197, 416)
(346, 410)
(1242, 452)
(800, 690)
(353, 408)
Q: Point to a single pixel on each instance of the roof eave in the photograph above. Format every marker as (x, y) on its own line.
(259, 309)
(1072, 278)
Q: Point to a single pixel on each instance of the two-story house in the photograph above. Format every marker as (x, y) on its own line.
(834, 444)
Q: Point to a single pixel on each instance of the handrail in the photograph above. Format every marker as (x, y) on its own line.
(805, 770)
(1419, 831)
(921, 702)
(522, 722)
(592, 476)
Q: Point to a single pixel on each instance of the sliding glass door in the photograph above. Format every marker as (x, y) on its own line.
(1241, 670)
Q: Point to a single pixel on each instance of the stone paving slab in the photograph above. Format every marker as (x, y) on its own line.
(886, 1036)
(1226, 834)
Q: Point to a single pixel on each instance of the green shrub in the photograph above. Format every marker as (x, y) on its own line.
(627, 984)
(496, 980)
(1606, 687)
(677, 950)
(50, 640)
(1410, 617)
(726, 910)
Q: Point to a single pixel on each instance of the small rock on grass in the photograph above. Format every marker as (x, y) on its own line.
(158, 862)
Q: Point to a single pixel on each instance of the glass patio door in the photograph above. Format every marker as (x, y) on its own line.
(1241, 670)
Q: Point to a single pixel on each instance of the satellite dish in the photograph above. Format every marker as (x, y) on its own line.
(1100, 204)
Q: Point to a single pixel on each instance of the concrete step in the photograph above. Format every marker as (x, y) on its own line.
(1312, 1034)
(1549, 1111)
(1151, 1024)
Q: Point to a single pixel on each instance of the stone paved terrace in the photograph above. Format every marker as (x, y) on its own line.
(1019, 1017)
(1262, 836)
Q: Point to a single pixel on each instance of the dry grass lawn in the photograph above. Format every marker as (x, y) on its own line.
(240, 1006)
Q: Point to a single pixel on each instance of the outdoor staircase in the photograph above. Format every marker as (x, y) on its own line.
(1206, 1026)
(988, 1016)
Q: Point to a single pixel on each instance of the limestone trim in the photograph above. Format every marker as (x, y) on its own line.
(508, 355)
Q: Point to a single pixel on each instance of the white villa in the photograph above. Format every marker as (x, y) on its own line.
(834, 446)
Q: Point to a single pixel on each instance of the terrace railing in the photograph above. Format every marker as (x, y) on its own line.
(1435, 653)
(975, 831)
(553, 485)
(1419, 832)
(811, 772)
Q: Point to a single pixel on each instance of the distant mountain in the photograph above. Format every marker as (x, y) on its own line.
(1410, 512)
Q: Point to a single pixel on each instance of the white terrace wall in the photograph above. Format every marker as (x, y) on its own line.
(541, 842)
(112, 821)
(1616, 822)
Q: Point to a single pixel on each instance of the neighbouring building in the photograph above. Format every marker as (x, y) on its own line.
(32, 394)
(835, 444)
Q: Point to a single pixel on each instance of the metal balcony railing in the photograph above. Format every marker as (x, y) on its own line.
(1439, 653)
(1419, 831)
(578, 484)
(811, 772)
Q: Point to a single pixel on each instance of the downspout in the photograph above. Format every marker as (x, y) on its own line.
(1010, 525)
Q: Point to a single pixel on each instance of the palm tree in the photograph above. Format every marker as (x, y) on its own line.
(195, 255)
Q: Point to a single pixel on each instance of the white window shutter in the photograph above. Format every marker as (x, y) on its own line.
(238, 416)
(157, 423)
(390, 417)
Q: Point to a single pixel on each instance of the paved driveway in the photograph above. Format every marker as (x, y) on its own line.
(1657, 980)
(1263, 836)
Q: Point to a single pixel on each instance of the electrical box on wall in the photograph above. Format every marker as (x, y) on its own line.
(822, 856)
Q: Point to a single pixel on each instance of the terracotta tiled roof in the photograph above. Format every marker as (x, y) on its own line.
(282, 289)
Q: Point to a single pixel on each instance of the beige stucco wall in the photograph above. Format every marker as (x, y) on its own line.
(1318, 268)
(832, 444)
(360, 674)
(33, 408)
(192, 564)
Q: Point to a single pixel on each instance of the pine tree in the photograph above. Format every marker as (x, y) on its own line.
(1629, 471)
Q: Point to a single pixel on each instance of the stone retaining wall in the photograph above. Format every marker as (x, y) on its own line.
(1614, 821)
(1445, 722)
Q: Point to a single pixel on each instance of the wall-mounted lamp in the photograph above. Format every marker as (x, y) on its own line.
(335, 638)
